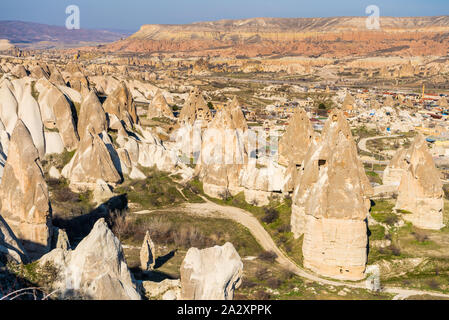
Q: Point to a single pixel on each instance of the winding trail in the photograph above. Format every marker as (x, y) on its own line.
(362, 146)
(245, 218)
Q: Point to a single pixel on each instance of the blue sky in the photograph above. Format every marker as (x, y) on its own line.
(131, 14)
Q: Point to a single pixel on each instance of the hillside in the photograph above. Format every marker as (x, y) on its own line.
(336, 36)
(27, 33)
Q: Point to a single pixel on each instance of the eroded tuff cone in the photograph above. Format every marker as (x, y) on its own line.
(398, 165)
(95, 270)
(91, 113)
(194, 109)
(147, 253)
(24, 194)
(56, 77)
(56, 103)
(8, 107)
(211, 274)
(121, 104)
(294, 145)
(331, 205)
(19, 71)
(421, 190)
(159, 107)
(90, 163)
(237, 115)
(223, 155)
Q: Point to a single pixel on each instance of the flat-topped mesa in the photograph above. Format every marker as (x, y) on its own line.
(91, 113)
(159, 107)
(421, 190)
(121, 104)
(294, 145)
(91, 162)
(195, 108)
(331, 204)
(398, 165)
(25, 202)
(223, 154)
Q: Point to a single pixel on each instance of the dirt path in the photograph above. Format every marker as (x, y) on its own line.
(245, 218)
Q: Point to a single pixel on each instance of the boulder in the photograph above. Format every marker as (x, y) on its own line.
(24, 194)
(211, 274)
(95, 270)
(331, 205)
(421, 190)
(164, 289)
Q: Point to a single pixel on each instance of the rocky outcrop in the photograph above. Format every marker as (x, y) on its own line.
(92, 161)
(8, 107)
(398, 165)
(211, 274)
(25, 203)
(294, 145)
(121, 104)
(331, 204)
(91, 113)
(421, 191)
(95, 270)
(147, 253)
(166, 289)
(159, 107)
(223, 155)
(11, 250)
(59, 114)
(195, 108)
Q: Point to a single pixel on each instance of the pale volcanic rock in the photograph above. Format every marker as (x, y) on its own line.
(91, 113)
(421, 190)
(159, 107)
(162, 289)
(6, 45)
(59, 113)
(223, 155)
(294, 145)
(38, 73)
(56, 77)
(11, 248)
(8, 107)
(29, 113)
(92, 161)
(211, 274)
(19, 71)
(147, 253)
(121, 104)
(95, 270)
(332, 199)
(349, 102)
(398, 165)
(24, 194)
(195, 108)
(53, 143)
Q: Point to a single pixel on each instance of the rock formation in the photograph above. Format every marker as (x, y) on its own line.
(60, 115)
(92, 161)
(211, 274)
(91, 113)
(195, 108)
(223, 154)
(10, 247)
(294, 145)
(421, 191)
(121, 104)
(95, 270)
(159, 107)
(331, 205)
(25, 203)
(147, 253)
(398, 165)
